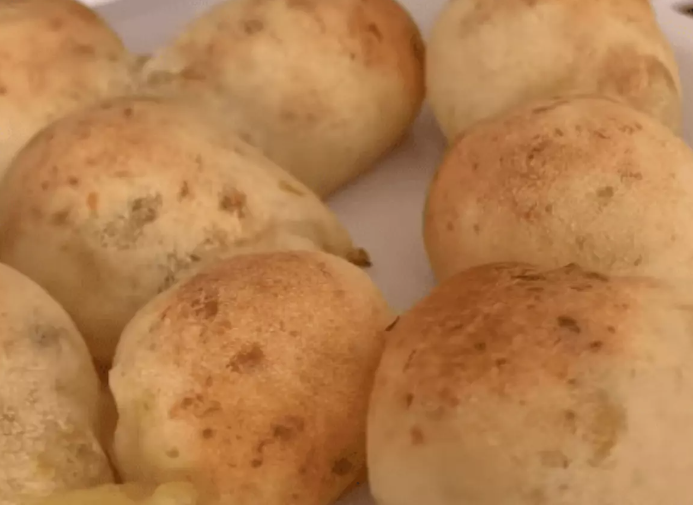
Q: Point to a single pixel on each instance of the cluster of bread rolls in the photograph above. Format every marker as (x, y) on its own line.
(186, 322)
(551, 364)
(569, 150)
(114, 203)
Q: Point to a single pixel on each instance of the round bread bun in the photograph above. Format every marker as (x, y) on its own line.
(49, 397)
(584, 180)
(486, 57)
(325, 89)
(171, 493)
(112, 205)
(511, 384)
(251, 380)
(56, 57)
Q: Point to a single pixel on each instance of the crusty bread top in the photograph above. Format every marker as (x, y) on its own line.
(57, 56)
(580, 179)
(263, 364)
(58, 37)
(291, 286)
(505, 328)
(515, 384)
(485, 57)
(378, 34)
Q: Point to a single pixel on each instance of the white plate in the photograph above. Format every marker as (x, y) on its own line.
(382, 209)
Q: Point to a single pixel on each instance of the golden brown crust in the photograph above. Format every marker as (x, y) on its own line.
(113, 204)
(271, 359)
(490, 331)
(556, 386)
(303, 79)
(564, 181)
(57, 56)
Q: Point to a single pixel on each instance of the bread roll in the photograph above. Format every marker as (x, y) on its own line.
(323, 88)
(512, 384)
(49, 394)
(584, 180)
(485, 57)
(113, 204)
(56, 56)
(251, 380)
